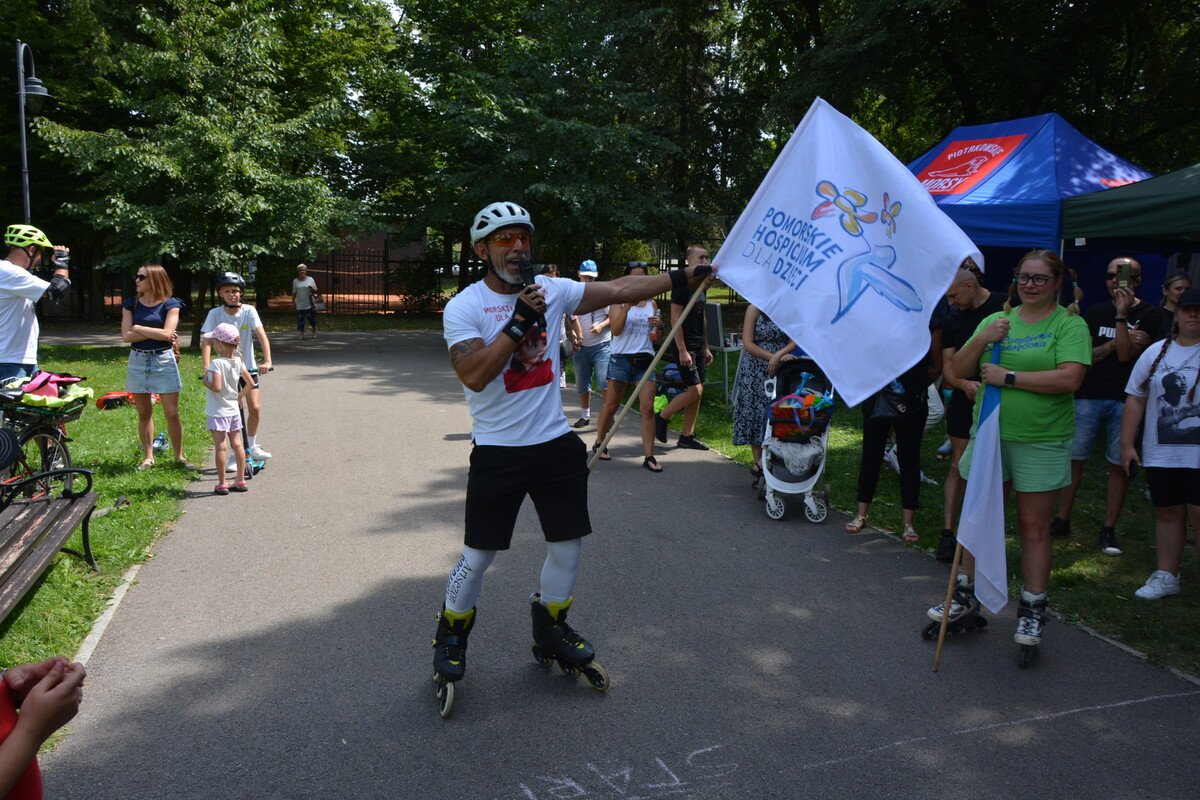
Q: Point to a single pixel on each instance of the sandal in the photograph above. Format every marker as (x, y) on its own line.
(145, 465)
(604, 456)
(239, 486)
(857, 524)
(221, 488)
(910, 534)
(756, 473)
(651, 463)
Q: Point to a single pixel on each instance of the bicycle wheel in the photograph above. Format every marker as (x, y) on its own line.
(43, 448)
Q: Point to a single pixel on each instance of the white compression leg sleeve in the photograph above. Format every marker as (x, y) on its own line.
(560, 570)
(466, 579)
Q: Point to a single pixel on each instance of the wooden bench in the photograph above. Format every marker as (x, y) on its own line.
(34, 528)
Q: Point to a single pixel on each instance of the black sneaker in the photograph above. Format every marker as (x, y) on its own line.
(1108, 542)
(660, 428)
(690, 443)
(1060, 528)
(582, 423)
(946, 547)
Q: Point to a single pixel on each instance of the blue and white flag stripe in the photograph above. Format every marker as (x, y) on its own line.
(981, 524)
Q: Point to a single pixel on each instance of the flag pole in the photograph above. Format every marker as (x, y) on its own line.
(937, 654)
(595, 456)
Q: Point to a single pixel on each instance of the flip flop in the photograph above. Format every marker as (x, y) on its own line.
(604, 456)
(910, 534)
(145, 465)
(651, 463)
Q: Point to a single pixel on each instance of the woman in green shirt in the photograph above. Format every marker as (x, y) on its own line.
(1045, 351)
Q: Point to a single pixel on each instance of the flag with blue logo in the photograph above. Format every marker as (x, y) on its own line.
(981, 524)
(845, 250)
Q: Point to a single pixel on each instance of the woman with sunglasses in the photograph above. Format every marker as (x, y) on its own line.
(1045, 351)
(148, 323)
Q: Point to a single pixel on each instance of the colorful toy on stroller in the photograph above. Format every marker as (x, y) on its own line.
(800, 407)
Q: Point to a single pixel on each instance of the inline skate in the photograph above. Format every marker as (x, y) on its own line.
(1031, 620)
(964, 612)
(450, 654)
(555, 640)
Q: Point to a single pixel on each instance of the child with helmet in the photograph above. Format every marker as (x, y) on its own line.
(230, 288)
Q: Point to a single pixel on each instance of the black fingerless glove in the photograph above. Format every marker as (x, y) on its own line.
(61, 260)
(524, 315)
(702, 271)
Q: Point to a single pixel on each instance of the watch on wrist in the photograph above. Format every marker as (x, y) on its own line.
(1123, 319)
(1010, 378)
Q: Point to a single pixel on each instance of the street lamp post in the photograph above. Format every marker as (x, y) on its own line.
(29, 90)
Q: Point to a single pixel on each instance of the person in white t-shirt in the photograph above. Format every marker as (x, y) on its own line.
(20, 289)
(222, 377)
(594, 351)
(230, 287)
(496, 331)
(1162, 392)
(304, 292)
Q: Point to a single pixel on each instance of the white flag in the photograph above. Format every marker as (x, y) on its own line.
(845, 250)
(981, 524)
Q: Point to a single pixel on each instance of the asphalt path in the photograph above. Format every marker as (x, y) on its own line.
(277, 645)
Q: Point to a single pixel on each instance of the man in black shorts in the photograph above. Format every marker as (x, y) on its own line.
(689, 350)
(973, 303)
(496, 330)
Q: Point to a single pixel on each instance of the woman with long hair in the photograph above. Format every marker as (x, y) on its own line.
(148, 323)
(1045, 351)
(1162, 392)
(1174, 285)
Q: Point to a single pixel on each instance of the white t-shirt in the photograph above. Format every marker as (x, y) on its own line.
(635, 336)
(1171, 435)
(225, 403)
(586, 321)
(303, 290)
(246, 320)
(19, 290)
(522, 405)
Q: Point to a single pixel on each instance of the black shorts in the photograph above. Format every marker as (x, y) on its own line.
(696, 373)
(554, 474)
(1173, 486)
(959, 418)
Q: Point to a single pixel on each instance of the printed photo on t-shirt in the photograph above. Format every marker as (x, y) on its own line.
(529, 367)
(1178, 420)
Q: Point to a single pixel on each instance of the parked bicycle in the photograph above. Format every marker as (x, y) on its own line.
(42, 438)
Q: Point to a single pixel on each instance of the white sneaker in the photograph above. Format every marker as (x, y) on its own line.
(1160, 584)
(944, 447)
(258, 454)
(889, 458)
(928, 481)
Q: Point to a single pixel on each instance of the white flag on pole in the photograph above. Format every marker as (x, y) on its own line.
(981, 524)
(845, 250)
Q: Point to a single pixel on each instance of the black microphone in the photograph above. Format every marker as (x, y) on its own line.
(527, 278)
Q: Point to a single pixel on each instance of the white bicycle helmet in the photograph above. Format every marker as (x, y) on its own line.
(496, 216)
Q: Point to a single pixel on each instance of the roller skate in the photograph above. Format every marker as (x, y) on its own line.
(964, 612)
(554, 640)
(1031, 619)
(450, 654)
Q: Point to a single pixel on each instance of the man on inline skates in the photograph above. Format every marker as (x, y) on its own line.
(20, 289)
(495, 330)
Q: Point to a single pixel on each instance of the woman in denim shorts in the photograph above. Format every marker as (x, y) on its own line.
(148, 322)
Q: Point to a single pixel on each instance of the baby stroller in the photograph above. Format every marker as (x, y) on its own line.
(800, 407)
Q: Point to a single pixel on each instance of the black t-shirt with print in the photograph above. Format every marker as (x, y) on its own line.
(1107, 378)
(958, 329)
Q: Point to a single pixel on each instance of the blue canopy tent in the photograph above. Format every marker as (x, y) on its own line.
(1004, 183)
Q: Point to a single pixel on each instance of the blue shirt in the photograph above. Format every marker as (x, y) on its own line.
(150, 317)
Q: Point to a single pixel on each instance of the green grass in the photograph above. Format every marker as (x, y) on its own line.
(1086, 586)
(57, 615)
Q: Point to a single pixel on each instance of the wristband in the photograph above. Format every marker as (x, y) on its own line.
(522, 320)
(1123, 319)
